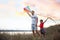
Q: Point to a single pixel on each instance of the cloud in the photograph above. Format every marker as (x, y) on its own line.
(45, 7)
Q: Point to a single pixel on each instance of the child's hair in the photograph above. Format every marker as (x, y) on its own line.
(41, 20)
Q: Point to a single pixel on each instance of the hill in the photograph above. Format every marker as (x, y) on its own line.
(53, 32)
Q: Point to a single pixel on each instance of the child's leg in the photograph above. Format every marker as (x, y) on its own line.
(43, 36)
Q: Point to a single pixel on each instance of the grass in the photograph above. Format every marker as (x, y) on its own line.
(53, 33)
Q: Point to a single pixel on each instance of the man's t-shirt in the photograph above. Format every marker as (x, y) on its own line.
(34, 19)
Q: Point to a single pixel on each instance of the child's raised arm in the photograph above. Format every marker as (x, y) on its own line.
(46, 20)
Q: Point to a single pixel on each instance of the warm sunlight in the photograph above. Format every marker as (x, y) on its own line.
(13, 17)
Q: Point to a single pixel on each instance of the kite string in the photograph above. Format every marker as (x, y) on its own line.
(52, 19)
(48, 17)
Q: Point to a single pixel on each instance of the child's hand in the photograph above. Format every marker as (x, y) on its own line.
(37, 25)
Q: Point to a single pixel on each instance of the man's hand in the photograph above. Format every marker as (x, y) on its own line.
(36, 25)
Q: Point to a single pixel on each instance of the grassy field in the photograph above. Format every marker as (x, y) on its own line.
(52, 33)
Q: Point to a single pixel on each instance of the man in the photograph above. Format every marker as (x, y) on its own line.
(34, 23)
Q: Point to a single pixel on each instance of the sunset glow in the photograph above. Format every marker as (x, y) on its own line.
(13, 17)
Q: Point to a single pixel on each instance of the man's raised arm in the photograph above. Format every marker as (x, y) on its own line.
(29, 14)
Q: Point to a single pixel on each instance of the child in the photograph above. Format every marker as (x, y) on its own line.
(42, 28)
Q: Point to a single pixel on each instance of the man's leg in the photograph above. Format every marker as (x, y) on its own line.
(34, 34)
(33, 30)
(38, 32)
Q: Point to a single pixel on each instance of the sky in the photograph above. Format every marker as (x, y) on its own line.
(13, 17)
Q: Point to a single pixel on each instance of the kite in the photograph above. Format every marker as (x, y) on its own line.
(27, 9)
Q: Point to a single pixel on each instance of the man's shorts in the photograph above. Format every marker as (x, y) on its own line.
(43, 31)
(34, 27)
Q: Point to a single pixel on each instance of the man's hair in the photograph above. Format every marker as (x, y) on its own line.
(33, 11)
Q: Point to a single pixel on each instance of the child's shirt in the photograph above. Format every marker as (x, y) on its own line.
(41, 25)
